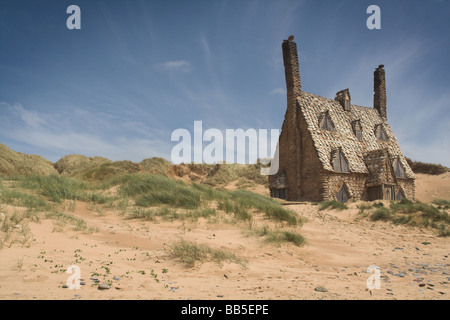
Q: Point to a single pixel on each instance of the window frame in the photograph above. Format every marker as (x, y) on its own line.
(339, 155)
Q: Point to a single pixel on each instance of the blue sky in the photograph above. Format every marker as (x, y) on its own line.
(138, 70)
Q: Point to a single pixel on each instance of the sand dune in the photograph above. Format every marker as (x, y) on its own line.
(432, 187)
(134, 259)
(132, 256)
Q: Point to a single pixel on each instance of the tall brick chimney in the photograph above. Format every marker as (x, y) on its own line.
(291, 68)
(379, 87)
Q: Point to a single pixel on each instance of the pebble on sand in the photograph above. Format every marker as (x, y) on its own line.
(103, 286)
(320, 289)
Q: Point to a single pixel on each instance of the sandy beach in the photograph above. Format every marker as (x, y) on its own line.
(133, 258)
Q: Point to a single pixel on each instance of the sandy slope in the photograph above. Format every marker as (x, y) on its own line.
(429, 187)
(340, 249)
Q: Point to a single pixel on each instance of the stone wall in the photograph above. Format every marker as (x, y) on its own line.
(408, 187)
(309, 182)
(354, 182)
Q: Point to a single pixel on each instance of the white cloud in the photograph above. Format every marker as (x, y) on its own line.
(82, 132)
(31, 118)
(280, 91)
(176, 65)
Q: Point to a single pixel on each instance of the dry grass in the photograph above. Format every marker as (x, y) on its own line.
(426, 168)
(16, 163)
(191, 253)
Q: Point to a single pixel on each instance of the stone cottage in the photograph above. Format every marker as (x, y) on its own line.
(330, 149)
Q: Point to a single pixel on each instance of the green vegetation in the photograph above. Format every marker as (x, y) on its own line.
(191, 253)
(427, 168)
(333, 204)
(281, 236)
(63, 219)
(412, 213)
(381, 213)
(158, 190)
(142, 196)
(145, 190)
(23, 199)
(442, 204)
(16, 163)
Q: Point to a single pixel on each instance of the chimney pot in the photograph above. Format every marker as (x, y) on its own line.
(379, 87)
(291, 67)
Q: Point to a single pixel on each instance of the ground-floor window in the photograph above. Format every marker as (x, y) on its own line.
(342, 194)
(279, 193)
(400, 195)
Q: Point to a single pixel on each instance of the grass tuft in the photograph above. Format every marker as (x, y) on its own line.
(191, 253)
(281, 236)
(333, 204)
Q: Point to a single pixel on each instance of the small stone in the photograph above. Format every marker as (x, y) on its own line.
(82, 283)
(104, 286)
(401, 274)
(422, 284)
(320, 289)
(116, 278)
(64, 286)
(220, 296)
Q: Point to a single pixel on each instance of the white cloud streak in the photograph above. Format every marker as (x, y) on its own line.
(51, 133)
(176, 65)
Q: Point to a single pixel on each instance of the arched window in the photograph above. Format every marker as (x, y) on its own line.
(342, 194)
(325, 122)
(399, 170)
(399, 195)
(357, 129)
(338, 161)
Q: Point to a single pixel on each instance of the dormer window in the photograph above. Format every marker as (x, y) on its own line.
(357, 129)
(380, 133)
(325, 122)
(343, 97)
(338, 161)
(399, 170)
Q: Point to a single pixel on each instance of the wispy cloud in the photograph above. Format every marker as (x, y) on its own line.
(83, 132)
(280, 91)
(176, 65)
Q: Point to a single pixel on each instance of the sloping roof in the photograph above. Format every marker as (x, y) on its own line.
(312, 107)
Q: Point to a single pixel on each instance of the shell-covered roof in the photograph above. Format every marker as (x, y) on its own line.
(314, 107)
